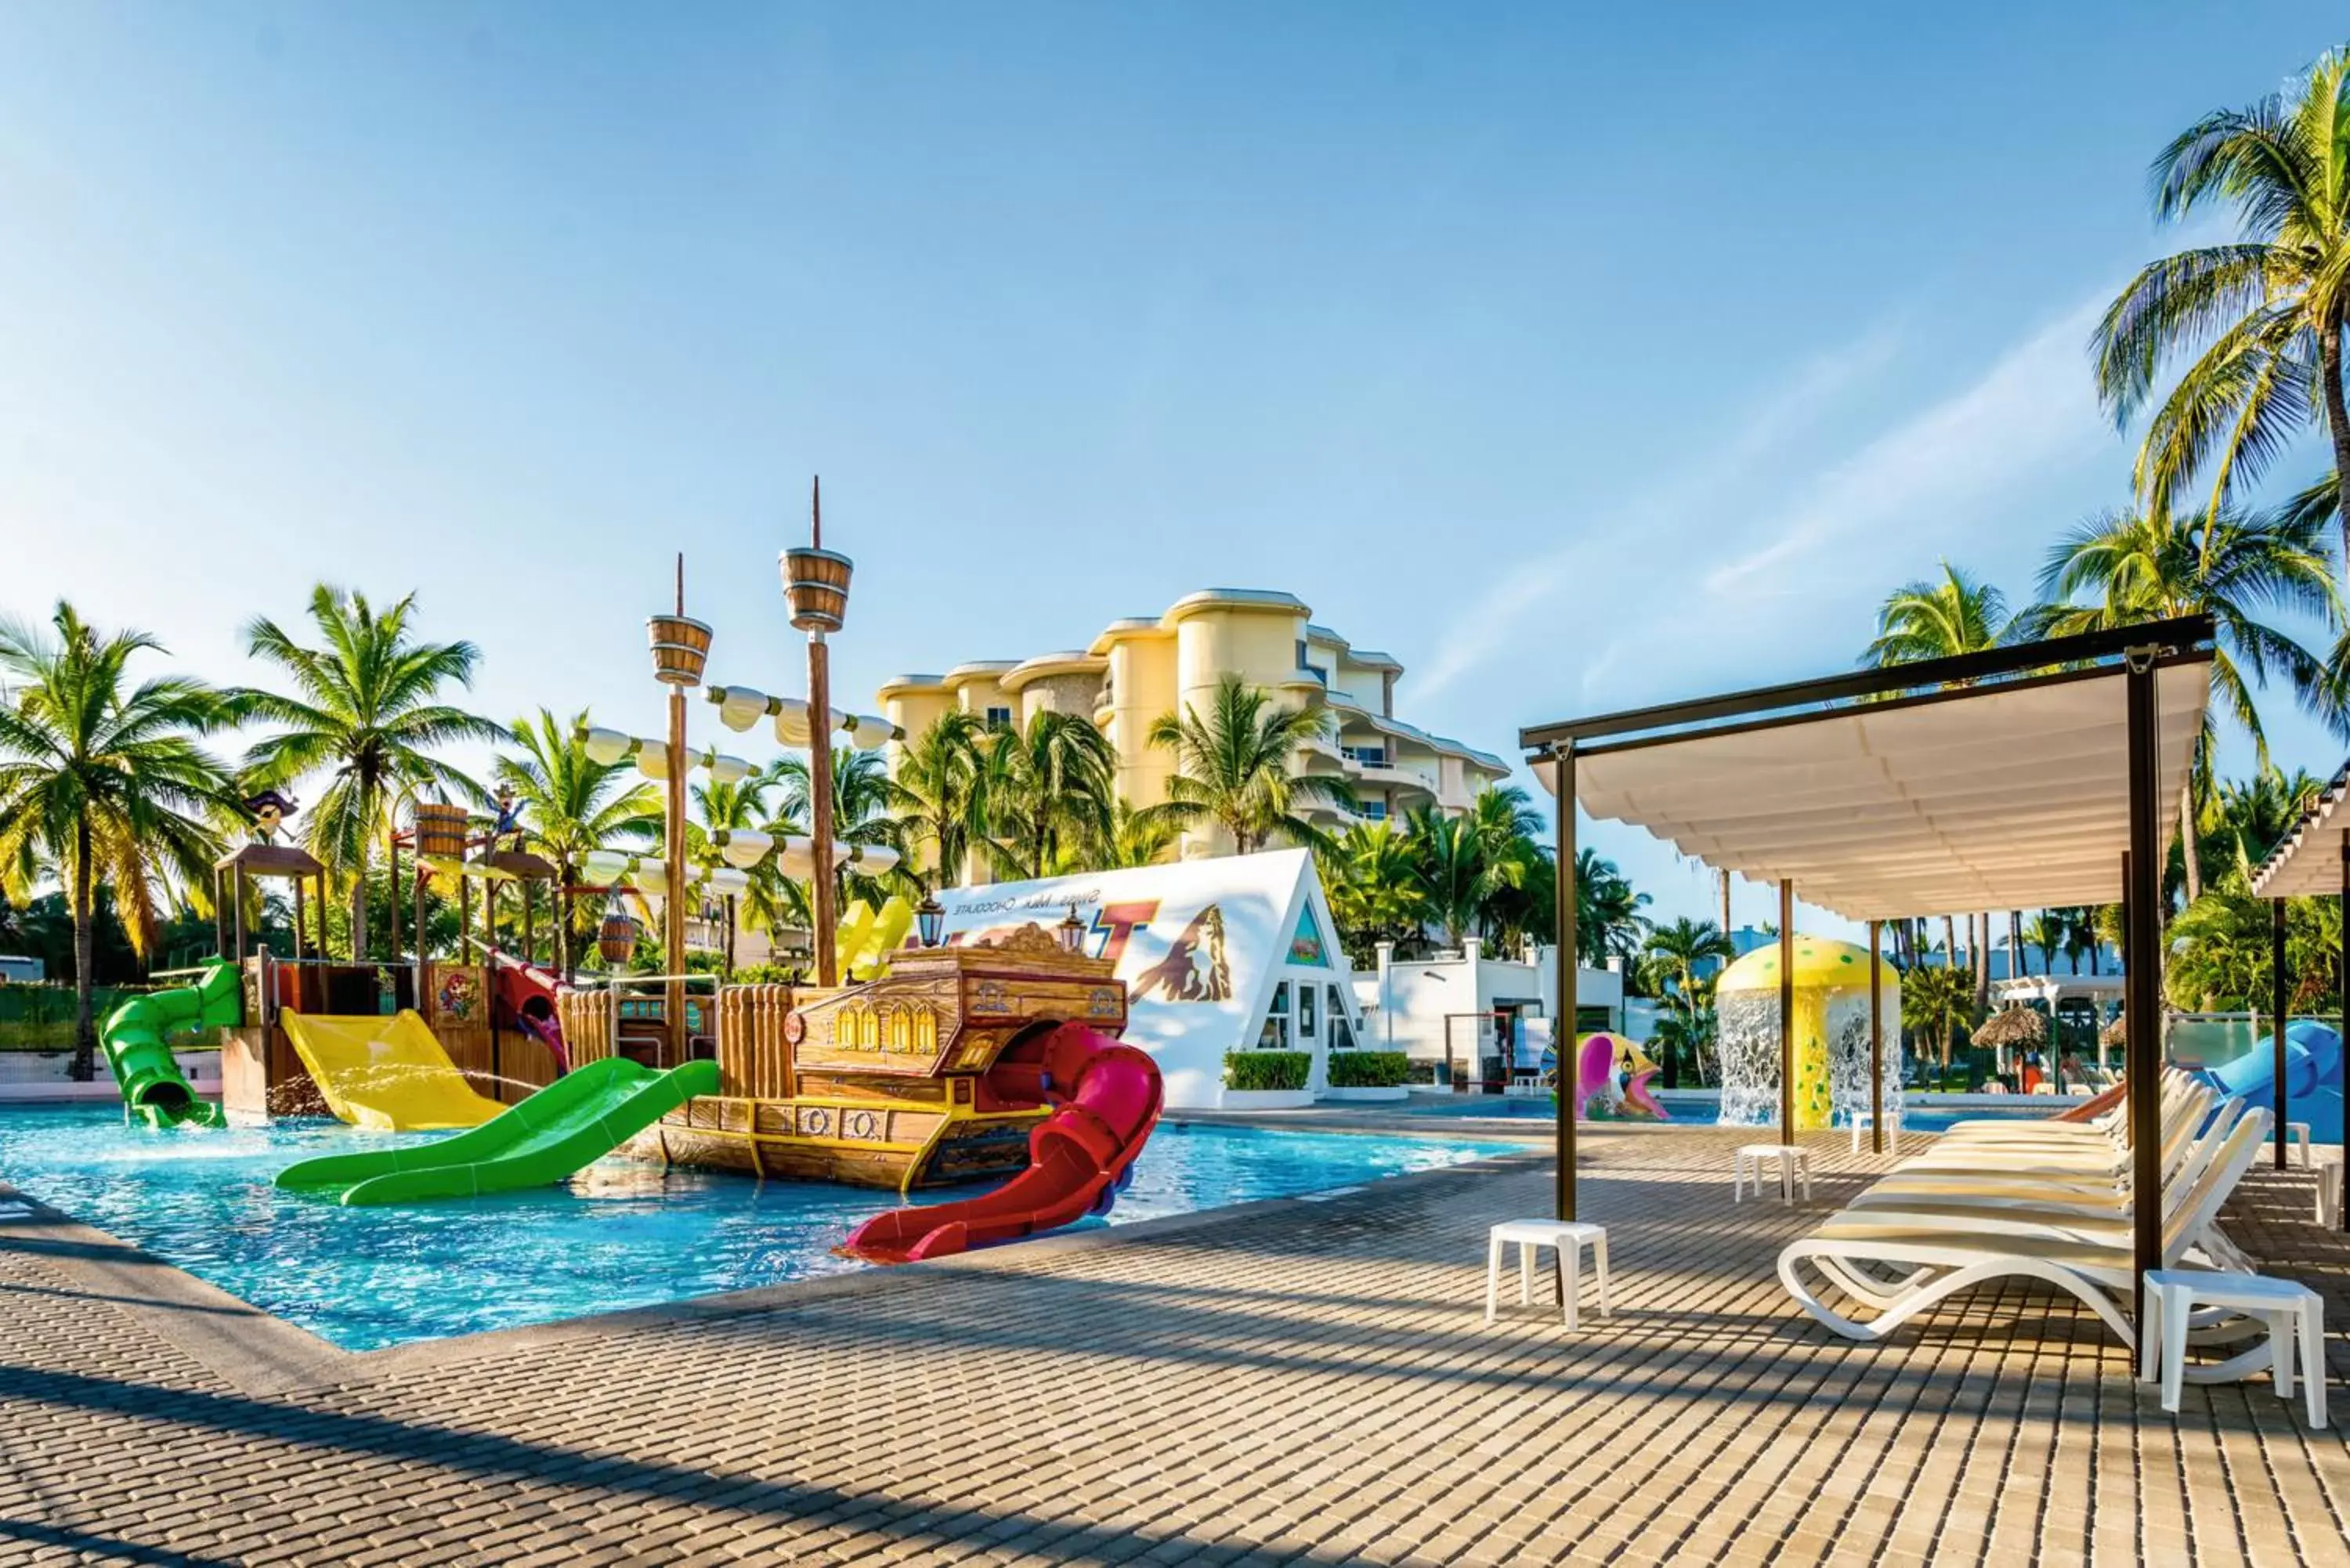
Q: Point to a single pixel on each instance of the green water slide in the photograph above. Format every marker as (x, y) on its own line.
(137, 1040)
(588, 1112)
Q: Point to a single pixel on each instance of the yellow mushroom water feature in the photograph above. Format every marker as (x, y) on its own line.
(1831, 1035)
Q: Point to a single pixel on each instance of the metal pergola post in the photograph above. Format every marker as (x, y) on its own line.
(1567, 1075)
(1786, 1010)
(2278, 1000)
(1875, 1041)
(2141, 990)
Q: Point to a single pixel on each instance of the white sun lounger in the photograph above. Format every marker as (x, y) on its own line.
(1895, 1263)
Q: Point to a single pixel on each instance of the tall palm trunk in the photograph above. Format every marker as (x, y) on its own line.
(2014, 943)
(360, 872)
(1725, 903)
(563, 958)
(2337, 423)
(1982, 961)
(84, 936)
(2191, 852)
(1950, 943)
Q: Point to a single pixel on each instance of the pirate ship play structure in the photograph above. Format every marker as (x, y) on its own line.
(995, 1058)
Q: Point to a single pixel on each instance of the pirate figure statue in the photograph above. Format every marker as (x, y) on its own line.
(269, 811)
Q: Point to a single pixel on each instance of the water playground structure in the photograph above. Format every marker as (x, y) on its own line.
(1829, 995)
(899, 1067)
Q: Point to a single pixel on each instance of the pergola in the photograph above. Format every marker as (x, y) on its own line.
(2313, 862)
(2014, 778)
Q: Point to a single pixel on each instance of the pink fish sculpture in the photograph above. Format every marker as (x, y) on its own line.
(1612, 1079)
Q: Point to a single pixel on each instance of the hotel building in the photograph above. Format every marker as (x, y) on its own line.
(1139, 669)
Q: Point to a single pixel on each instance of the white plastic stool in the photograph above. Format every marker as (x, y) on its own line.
(2285, 1305)
(2329, 1190)
(1794, 1163)
(1567, 1238)
(2296, 1139)
(1863, 1120)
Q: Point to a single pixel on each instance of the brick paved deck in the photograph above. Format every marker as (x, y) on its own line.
(1298, 1382)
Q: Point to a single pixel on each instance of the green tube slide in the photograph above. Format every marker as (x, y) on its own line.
(586, 1114)
(137, 1040)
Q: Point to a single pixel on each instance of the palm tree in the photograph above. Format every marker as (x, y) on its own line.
(1939, 619)
(2234, 566)
(1049, 793)
(1134, 837)
(1455, 876)
(101, 779)
(864, 802)
(2047, 932)
(2262, 315)
(366, 706)
(573, 807)
(1371, 876)
(1608, 920)
(943, 798)
(1674, 953)
(1232, 767)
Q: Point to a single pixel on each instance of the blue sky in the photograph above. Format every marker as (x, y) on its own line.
(1578, 357)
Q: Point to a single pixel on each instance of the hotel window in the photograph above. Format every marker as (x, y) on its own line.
(999, 718)
(1371, 809)
(1309, 999)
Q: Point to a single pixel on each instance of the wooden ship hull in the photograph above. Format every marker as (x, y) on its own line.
(884, 1084)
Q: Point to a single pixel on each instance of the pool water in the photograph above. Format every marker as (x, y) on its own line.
(620, 1234)
(1515, 1107)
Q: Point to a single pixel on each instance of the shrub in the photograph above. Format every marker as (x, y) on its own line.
(1368, 1069)
(1267, 1069)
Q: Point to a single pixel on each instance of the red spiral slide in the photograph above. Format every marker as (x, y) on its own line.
(1106, 1097)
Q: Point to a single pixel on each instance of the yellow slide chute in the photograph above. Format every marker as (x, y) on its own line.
(387, 1074)
(866, 939)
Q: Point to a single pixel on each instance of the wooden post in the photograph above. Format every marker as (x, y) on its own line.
(673, 907)
(220, 917)
(299, 952)
(1875, 1041)
(2142, 983)
(2278, 1002)
(1568, 1075)
(236, 891)
(820, 881)
(1786, 1010)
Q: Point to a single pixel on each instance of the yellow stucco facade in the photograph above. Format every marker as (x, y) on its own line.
(1139, 670)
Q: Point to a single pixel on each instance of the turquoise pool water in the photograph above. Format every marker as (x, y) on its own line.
(621, 1234)
(1529, 1107)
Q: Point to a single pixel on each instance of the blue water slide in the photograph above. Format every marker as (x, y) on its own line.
(2313, 1065)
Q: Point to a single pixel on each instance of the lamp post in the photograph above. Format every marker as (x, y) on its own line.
(1073, 931)
(816, 587)
(931, 920)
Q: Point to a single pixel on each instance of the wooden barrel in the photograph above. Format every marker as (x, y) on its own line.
(681, 648)
(616, 939)
(815, 586)
(440, 829)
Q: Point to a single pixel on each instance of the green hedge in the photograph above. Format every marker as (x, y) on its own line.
(1368, 1069)
(1267, 1069)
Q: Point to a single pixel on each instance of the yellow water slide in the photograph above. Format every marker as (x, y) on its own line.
(388, 1074)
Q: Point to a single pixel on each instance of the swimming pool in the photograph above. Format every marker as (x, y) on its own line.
(621, 1234)
(1703, 1113)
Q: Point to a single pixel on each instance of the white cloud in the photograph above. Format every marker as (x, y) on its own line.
(2033, 407)
(1790, 406)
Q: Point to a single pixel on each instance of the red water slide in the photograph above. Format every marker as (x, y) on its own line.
(1105, 1097)
(525, 1001)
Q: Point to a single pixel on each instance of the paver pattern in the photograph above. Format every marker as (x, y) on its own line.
(1300, 1382)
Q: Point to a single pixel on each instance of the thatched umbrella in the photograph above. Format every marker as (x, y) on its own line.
(2112, 1033)
(2014, 1026)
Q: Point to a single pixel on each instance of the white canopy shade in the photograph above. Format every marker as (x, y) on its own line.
(2000, 797)
(2308, 863)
